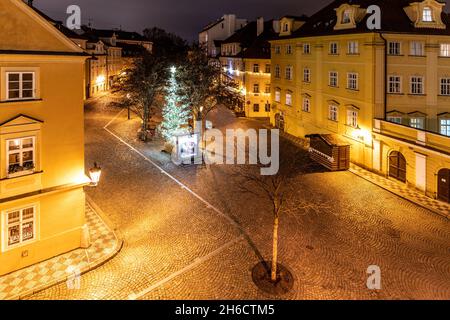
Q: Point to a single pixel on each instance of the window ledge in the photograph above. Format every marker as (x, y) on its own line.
(396, 94)
(21, 175)
(416, 56)
(350, 89)
(417, 94)
(20, 101)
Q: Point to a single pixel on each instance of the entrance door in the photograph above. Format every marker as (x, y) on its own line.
(444, 185)
(397, 166)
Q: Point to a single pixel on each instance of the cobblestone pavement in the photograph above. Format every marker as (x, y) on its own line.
(190, 234)
(104, 244)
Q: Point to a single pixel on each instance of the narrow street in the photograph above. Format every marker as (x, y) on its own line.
(190, 234)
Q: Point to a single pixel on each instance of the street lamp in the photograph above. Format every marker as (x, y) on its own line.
(173, 70)
(95, 174)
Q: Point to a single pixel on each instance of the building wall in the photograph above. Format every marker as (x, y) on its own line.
(262, 97)
(53, 117)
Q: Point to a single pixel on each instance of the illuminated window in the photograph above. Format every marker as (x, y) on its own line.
(352, 118)
(20, 226)
(346, 16)
(333, 112)
(256, 88)
(277, 49)
(427, 15)
(416, 48)
(398, 120)
(445, 127)
(289, 49)
(277, 96)
(256, 68)
(418, 123)
(353, 47)
(267, 68)
(445, 50)
(20, 85)
(20, 156)
(289, 99)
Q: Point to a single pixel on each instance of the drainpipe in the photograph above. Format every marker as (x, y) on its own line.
(385, 74)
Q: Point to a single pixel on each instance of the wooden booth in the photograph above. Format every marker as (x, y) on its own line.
(330, 151)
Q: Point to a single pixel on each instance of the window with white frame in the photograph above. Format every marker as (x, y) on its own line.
(306, 48)
(417, 85)
(333, 112)
(267, 68)
(352, 81)
(267, 90)
(256, 68)
(334, 79)
(416, 48)
(306, 106)
(20, 156)
(334, 48)
(306, 75)
(395, 119)
(277, 71)
(395, 48)
(353, 47)
(277, 95)
(352, 118)
(427, 14)
(418, 123)
(256, 88)
(444, 125)
(288, 49)
(445, 86)
(445, 50)
(20, 225)
(289, 98)
(395, 84)
(288, 73)
(20, 85)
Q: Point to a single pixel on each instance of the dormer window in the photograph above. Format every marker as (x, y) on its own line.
(346, 16)
(427, 15)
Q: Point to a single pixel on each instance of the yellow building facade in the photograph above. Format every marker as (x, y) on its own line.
(42, 201)
(385, 92)
(257, 87)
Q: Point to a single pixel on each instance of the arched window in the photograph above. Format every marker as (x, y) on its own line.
(427, 15)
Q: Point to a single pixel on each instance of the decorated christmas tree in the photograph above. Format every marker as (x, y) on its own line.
(175, 114)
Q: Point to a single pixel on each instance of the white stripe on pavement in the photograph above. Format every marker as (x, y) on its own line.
(198, 261)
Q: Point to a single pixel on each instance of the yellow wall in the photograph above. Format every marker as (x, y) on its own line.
(55, 118)
(262, 79)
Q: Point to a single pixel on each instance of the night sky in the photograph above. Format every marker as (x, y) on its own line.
(183, 17)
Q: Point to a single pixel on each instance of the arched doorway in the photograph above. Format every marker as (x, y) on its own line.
(397, 166)
(444, 185)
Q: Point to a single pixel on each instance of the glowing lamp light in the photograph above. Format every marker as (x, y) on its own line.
(100, 79)
(95, 174)
(173, 70)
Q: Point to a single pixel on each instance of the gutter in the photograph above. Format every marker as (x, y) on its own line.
(385, 74)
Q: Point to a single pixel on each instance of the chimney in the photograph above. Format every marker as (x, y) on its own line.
(259, 26)
(276, 26)
(230, 19)
(30, 3)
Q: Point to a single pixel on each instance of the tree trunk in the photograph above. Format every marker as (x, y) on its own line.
(275, 250)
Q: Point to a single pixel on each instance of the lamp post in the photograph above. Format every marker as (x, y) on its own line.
(95, 174)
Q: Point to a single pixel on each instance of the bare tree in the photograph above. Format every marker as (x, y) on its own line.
(282, 190)
(143, 87)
